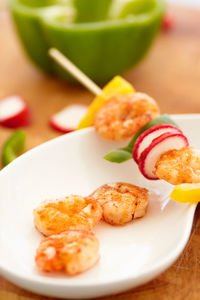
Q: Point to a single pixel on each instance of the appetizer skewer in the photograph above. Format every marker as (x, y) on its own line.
(161, 153)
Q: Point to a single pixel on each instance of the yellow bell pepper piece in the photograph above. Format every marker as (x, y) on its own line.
(117, 86)
(186, 193)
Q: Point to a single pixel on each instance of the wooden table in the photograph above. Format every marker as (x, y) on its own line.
(170, 73)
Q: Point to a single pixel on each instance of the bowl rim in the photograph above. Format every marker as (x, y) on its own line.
(47, 15)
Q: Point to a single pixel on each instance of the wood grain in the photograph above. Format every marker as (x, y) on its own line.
(170, 73)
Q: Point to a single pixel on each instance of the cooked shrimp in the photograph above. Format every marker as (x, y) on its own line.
(123, 116)
(72, 251)
(121, 202)
(179, 166)
(71, 212)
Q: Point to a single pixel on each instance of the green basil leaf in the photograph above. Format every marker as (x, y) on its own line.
(118, 156)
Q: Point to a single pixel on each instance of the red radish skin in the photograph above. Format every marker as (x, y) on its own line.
(145, 139)
(14, 112)
(59, 128)
(68, 119)
(159, 146)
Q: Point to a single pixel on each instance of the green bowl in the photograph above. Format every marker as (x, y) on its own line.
(102, 37)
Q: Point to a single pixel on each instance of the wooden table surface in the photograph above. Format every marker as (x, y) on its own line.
(170, 73)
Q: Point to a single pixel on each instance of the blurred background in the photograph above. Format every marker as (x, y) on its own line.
(189, 3)
(192, 3)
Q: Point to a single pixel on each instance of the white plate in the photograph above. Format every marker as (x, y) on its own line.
(130, 255)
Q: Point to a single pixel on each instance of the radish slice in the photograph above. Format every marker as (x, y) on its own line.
(145, 139)
(68, 119)
(14, 112)
(160, 145)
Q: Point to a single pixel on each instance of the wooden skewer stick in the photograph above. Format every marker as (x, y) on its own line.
(74, 71)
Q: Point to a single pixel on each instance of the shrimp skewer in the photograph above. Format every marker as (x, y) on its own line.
(72, 251)
(123, 116)
(71, 212)
(179, 166)
(121, 202)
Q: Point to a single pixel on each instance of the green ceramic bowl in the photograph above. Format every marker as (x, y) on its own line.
(102, 37)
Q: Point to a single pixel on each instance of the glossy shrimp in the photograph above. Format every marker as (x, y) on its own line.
(72, 251)
(71, 212)
(121, 202)
(123, 116)
(179, 166)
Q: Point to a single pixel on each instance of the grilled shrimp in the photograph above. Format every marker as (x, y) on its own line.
(121, 202)
(72, 251)
(179, 166)
(123, 116)
(71, 212)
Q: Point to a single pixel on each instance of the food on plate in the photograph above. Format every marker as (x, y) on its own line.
(117, 86)
(121, 202)
(70, 246)
(13, 147)
(161, 151)
(73, 252)
(167, 156)
(123, 116)
(14, 112)
(151, 154)
(179, 166)
(123, 154)
(68, 119)
(71, 212)
(186, 193)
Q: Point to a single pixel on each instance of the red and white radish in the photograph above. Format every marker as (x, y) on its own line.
(153, 152)
(14, 112)
(68, 119)
(145, 139)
